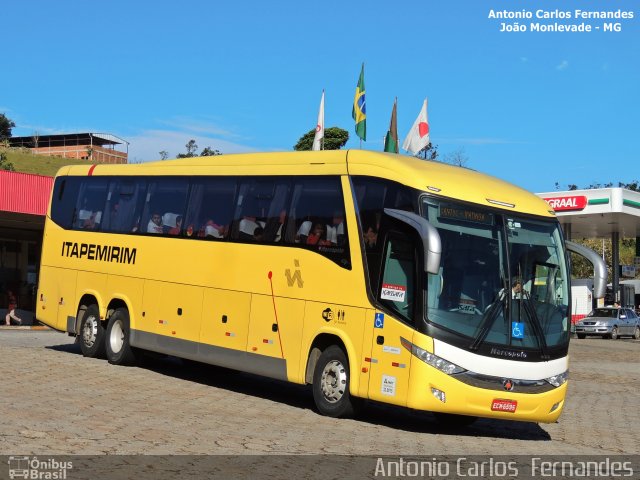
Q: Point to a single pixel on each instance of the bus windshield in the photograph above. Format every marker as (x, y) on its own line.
(502, 280)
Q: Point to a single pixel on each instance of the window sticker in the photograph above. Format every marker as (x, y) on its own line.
(395, 293)
(388, 386)
(517, 330)
(466, 304)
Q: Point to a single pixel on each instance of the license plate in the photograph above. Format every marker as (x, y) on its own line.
(589, 329)
(502, 405)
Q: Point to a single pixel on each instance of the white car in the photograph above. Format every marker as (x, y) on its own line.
(609, 322)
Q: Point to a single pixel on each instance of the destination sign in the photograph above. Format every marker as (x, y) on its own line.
(465, 214)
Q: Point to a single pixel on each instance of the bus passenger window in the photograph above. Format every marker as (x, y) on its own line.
(316, 218)
(91, 203)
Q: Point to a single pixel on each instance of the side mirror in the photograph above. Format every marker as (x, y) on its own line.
(599, 267)
(431, 242)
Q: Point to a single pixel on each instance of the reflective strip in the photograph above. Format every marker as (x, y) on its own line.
(399, 365)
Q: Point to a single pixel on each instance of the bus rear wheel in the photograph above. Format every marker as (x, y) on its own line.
(92, 333)
(331, 384)
(119, 351)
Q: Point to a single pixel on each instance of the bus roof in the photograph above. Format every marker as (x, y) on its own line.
(430, 176)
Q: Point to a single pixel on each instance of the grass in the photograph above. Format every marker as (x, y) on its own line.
(26, 162)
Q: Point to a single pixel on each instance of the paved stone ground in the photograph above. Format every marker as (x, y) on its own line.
(55, 402)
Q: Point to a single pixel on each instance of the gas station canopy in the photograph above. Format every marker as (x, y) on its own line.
(597, 213)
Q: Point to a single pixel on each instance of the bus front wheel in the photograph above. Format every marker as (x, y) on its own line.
(92, 333)
(331, 384)
(119, 351)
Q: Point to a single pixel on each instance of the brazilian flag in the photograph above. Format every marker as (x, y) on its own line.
(359, 112)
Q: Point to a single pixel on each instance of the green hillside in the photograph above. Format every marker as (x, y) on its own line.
(25, 162)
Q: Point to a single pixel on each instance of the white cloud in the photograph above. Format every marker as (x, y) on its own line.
(147, 145)
(563, 65)
(479, 141)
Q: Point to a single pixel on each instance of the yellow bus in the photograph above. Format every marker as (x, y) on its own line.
(367, 275)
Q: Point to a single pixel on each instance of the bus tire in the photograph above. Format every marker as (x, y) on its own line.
(92, 334)
(331, 379)
(119, 351)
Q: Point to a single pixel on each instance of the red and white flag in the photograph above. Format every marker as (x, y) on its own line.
(418, 136)
(317, 140)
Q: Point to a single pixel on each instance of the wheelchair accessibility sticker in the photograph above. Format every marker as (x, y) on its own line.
(379, 321)
(517, 330)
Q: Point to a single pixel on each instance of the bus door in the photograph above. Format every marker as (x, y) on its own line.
(390, 361)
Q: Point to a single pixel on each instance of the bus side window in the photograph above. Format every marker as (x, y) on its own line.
(260, 214)
(166, 197)
(398, 288)
(124, 204)
(316, 219)
(65, 196)
(90, 203)
(210, 209)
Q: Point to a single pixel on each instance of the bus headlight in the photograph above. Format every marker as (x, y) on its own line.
(558, 380)
(433, 360)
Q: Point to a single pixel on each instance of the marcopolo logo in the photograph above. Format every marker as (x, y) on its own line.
(34, 468)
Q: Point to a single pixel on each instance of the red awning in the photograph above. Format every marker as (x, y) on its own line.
(24, 192)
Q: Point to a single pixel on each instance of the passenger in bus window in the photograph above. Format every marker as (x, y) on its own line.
(317, 236)
(303, 232)
(92, 222)
(176, 230)
(370, 237)
(212, 230)
(248, 226)
(516, 289)
(258, 234)
(335, 231)
(155, 224)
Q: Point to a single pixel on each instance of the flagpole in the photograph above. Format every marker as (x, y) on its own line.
(323, 130)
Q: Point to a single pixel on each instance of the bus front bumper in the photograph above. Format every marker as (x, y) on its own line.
(433, 390)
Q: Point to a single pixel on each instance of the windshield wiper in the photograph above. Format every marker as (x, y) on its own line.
(487, 320)
(535, 323)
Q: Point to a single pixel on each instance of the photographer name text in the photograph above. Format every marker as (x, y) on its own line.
(578, 21)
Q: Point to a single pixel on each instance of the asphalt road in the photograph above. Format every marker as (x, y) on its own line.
(56, 402)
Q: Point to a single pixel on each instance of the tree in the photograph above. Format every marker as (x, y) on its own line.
(430, 152)
(334, 139)
(457, 157)
(581, 268)
(6, 125)
(632, 185)
(191, 150)
(209, 152)
(4, 165)
(164, 155)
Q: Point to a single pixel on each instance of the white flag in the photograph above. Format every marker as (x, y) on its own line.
(418, 136)
(317, 140)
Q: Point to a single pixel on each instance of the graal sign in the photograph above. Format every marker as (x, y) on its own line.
(563, 204)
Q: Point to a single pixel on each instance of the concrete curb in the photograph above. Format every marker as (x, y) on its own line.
(24, 327)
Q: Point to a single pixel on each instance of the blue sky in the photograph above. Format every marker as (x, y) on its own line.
(532, 108)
